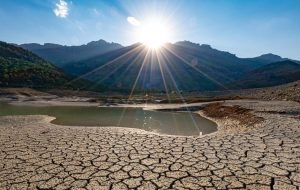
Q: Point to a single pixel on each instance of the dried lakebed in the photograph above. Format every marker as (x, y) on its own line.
(35, 154)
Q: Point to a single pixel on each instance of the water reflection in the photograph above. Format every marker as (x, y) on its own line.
(172, 123)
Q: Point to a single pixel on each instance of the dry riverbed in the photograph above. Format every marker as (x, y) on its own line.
(257, 146)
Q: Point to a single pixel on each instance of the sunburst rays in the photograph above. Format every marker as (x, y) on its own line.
(143, 64)
(147, 61)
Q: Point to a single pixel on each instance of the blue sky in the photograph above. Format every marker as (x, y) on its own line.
(245, 27)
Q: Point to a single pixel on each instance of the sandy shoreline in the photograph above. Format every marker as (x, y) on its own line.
(37, 154)
(77, 101)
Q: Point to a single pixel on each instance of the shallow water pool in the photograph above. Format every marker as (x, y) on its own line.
(171, 123)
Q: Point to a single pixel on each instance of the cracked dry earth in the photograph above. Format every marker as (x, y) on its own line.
(35, 154)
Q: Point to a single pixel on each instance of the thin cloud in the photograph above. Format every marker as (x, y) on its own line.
(133, 21)
(62, 9)
(96, 12)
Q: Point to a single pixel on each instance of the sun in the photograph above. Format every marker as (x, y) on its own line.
(153, 34)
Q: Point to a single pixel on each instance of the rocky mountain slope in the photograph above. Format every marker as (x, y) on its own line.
(271, 75)
(22, 68)
(59, 55)
(182, 66)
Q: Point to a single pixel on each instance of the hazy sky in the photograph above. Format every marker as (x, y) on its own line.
(244, 27)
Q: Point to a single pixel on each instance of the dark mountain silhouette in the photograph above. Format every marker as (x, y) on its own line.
(267, 58)
(22, 68)
(180, 66)
(59, 55)
(183, 66)
(271, 74)
(35, 46)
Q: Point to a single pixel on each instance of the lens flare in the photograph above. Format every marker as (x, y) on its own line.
(153, 33)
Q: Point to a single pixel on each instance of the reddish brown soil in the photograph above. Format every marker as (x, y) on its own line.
(243, 115)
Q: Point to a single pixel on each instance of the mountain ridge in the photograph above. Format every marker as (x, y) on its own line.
(199, 64)
(272, 74)
(61, 54)
(186, 65)
(22, 68)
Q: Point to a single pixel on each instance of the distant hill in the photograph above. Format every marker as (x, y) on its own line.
(21, 68)
(184, 66)
(267, 58)
(59, 55)
(271, 74)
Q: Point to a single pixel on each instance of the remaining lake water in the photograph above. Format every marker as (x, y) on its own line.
(171, 123)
